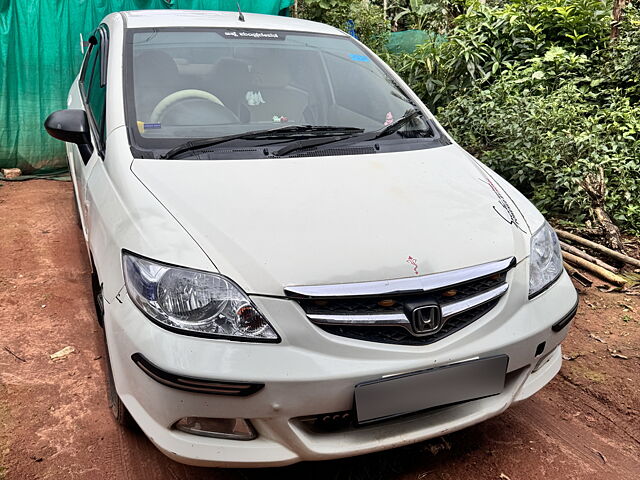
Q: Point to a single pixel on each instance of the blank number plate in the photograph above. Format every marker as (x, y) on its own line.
(412, 392)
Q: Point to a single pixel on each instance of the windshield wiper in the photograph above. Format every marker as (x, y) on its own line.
(357, 136)
(397, 125)
(280, 132)
(314, 142)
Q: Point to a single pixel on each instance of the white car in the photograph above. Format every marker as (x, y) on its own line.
(292, 259)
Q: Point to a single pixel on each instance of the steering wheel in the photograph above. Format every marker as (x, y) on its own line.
(172, 100)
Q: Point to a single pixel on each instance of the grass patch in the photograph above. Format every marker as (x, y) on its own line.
(594, 376)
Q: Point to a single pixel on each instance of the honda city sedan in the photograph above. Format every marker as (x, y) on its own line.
(292, 259)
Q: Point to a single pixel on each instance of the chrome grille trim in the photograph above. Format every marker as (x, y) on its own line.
(456, 308)
(400, 319)
(380, 319)
(424, 283)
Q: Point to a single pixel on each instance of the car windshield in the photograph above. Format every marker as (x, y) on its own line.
(191, 84)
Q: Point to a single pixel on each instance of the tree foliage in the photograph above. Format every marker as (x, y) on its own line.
(537, 90)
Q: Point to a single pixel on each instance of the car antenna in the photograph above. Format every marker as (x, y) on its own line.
(240, 15)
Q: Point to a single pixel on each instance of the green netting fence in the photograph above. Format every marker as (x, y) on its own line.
(407, 41)
(40, 56)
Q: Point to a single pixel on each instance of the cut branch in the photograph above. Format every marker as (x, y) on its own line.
(599, 248)
(595, 269)
(8, 350)
(577, 274)
(582, 254)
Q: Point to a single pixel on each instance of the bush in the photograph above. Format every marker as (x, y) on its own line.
(534, 89)
(487, 40)
(544, 127)
(367, 19)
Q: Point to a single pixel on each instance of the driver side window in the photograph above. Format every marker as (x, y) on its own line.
(93, 86)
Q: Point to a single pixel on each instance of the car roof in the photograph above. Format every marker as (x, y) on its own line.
(209, 18)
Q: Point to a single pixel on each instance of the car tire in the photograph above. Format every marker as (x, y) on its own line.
(118, 409)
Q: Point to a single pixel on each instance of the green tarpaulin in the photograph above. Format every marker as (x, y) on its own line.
(407, 41)
(40, 56)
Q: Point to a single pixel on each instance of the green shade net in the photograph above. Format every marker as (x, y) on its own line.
(40, 56)
(407, 41)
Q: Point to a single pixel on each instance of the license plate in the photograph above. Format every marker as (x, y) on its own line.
(411, 392)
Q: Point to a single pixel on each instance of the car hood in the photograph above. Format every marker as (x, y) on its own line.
(272, 223)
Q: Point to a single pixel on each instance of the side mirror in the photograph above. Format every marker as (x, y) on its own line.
(69, 126)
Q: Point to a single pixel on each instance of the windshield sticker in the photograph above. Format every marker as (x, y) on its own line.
(506, 212)
(243, 34)
(149, 126)
(414, 262)
(359, 58)
(388, 119)
(280, 119)
(254, 98)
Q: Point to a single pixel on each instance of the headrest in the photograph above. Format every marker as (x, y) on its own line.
(155, 67)
(270, 73)
(231, 70)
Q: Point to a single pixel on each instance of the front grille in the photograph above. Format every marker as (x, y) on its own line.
(373, 304)
(383, 316)
(401, 336)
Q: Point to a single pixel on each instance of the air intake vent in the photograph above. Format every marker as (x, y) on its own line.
(228, 150)
(334, 152)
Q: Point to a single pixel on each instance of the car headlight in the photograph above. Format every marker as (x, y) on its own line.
(193, 302)
(545, 260)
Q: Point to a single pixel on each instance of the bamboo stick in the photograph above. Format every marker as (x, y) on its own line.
(599, 248)
(577, 274)
(582, 254)
(595, 269)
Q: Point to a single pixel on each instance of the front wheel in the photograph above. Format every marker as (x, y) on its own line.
(120, 412)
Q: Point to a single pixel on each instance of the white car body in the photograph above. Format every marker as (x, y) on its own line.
(314, 221)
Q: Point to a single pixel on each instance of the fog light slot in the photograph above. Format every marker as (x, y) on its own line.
(227, 428)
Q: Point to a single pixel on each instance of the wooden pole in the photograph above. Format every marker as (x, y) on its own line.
(595, 269)
(599, 248)
(575, 273)
(582, 254)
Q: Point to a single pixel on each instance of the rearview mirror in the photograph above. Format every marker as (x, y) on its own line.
(69, 126)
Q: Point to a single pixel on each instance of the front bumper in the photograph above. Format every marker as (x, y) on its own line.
(313, 372)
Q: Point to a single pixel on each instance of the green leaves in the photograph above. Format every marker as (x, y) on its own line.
(487, 40)
(547, 125)
(365, 17)
(534, 89)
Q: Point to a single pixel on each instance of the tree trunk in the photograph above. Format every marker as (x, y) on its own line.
(617, 13)
(595, 186)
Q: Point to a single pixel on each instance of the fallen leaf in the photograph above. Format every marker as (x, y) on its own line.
(504, 477)
(617, 355)
(60, 354)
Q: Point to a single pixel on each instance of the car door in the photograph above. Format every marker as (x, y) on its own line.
(89, 94)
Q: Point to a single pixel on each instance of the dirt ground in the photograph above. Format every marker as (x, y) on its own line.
(55, 423)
